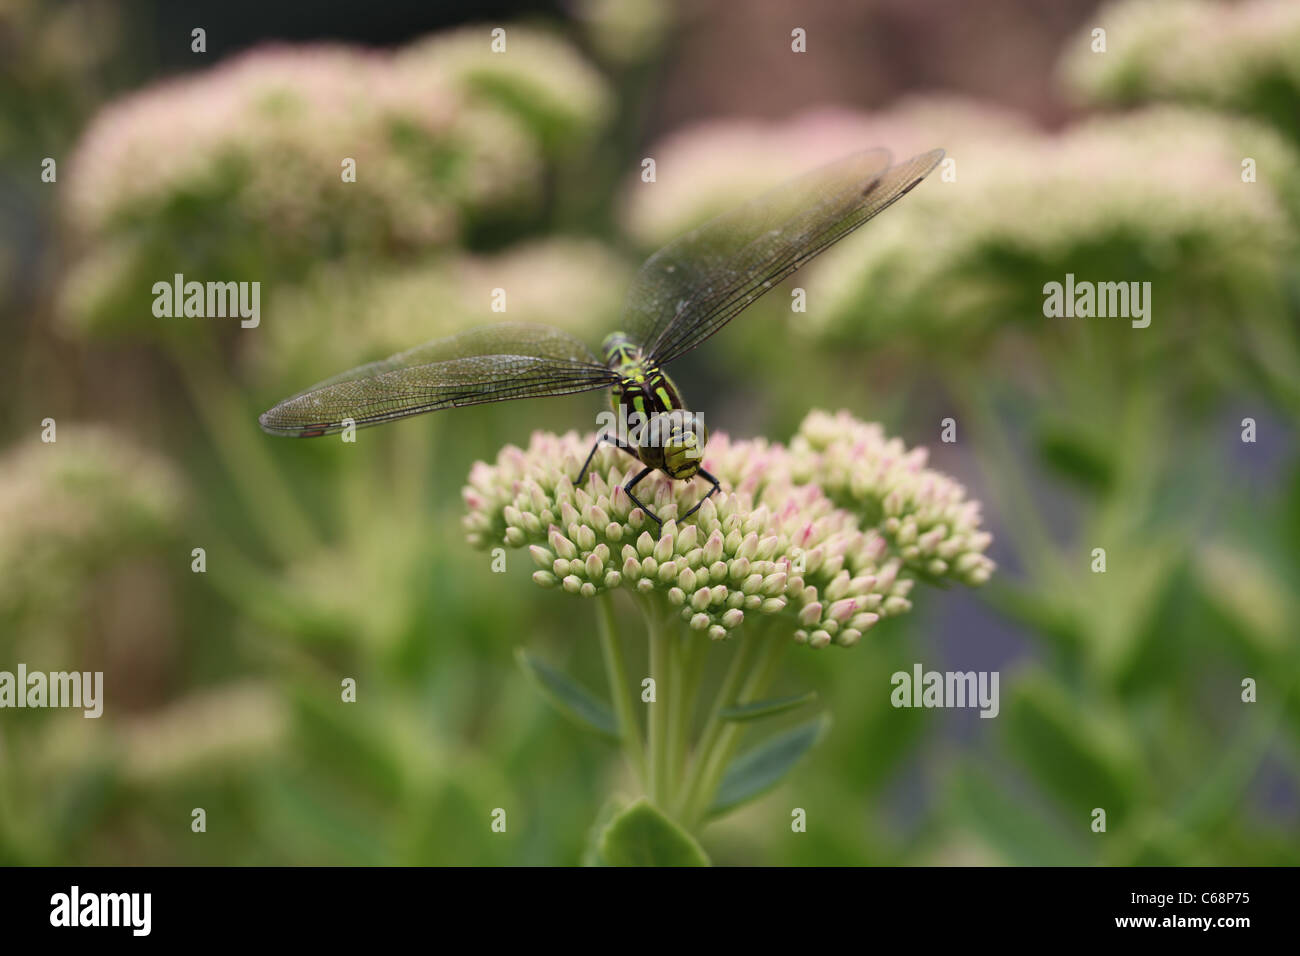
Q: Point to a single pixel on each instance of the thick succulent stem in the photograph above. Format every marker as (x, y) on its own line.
(620, 690)
(663, 648)
(716, 753)
(713, 726)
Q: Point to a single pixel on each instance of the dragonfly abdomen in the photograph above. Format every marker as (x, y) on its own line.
(657, 427)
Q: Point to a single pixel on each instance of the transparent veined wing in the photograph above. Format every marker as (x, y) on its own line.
(495, 363)
(696, 284)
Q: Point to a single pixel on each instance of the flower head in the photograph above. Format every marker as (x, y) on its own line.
(832, 559)
(543, 82)
(925, 515)
(69, 509)
(284, 157)
(574, 284)
(1222, 55)
(1017, 208)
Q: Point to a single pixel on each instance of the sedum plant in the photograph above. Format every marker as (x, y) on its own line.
(1236, 57)
(1164, 199)
(813, 543)
(246, 164)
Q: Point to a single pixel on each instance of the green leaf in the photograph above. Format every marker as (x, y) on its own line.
(568, 697)
(759, 769)
(1077, 750)
(362, 738)
(642, 836)
(612, 807)
(1077, 452)
(766, 708)
(1248, 592)
(1011, 824)
(1121, 606)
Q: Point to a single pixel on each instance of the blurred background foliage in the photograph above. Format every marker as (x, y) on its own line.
(521, 171)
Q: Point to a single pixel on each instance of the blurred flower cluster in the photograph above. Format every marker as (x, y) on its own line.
(773, 541)
(625, 31)
(51, 58)
(1154, 195)
(69, 509)
(343, 315)
(713, 167)
(206, 732)
(238, 171)
(1243, 57)
(542, 82)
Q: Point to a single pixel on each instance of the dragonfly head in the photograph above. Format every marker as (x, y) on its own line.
(684, 445)
(618, 350)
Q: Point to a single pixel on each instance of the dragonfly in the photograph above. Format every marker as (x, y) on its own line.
(681, 296)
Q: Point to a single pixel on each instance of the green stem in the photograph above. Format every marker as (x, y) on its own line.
(693, 656)
(277, 512)
(620, 690)
(662, 646)
(713, 725)
(999, 465)
(714, 759)
(676, 701)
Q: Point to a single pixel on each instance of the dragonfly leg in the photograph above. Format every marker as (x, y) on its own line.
(716, 487)
(590, 455)
(637, 501)
(604, 436)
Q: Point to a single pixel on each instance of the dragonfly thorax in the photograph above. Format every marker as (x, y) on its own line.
(652, 421)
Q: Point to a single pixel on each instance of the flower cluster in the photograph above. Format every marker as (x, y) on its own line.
(966, 255)
(55, 58)
(925, 514)
(275, 118)
(235, 723)
(71, 507)
(773, 542)
(625, 31)
(555, 93)
(240, 170)
(573, 284)
(732, 161)
(1240, 56)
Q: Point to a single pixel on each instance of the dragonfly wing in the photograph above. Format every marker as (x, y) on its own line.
(695, 285)
(491, 364)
